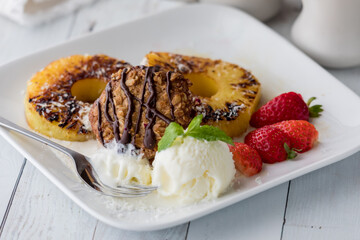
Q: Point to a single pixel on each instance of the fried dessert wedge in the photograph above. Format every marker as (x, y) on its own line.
(224, 93)
(138, 104)
(58, 98)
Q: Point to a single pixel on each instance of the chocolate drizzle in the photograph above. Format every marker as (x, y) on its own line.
(137, 128)
(125, 138)
(168, 89)
(99, 122)
(110, 100)
(149, 138)
(150, 105)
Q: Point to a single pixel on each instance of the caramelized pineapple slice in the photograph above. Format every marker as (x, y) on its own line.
(224, 93)
(59, 97)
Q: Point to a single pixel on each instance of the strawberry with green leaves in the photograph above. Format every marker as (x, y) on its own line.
(247, 160)
(302, 134)
(287, 106)
(271, 143)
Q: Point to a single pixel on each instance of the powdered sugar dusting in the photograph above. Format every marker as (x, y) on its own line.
(45, 86)
(258, 180)
(231, 111)
(144, 61)
(84, 116)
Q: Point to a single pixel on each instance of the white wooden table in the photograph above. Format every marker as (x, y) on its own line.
(320, 205)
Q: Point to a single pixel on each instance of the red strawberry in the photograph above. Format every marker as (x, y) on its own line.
(247, 160)
(302, 134)
(272, 144)
(287, 106)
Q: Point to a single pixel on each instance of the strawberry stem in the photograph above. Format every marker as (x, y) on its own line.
(310, 101)
(314, 111)
(291, 154)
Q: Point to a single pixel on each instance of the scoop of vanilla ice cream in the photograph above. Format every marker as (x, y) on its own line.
(192, 169)
(119, 169)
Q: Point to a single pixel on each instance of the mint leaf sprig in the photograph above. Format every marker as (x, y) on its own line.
(206, 132)
(173, 131)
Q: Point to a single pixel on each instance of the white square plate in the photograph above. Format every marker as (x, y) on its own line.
(216, 32)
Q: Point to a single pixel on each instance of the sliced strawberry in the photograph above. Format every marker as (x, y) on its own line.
(247, 160)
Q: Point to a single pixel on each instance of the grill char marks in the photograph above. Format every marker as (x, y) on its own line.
(56, 103)
(246, 81)
(197, 65)
(224, 93)
(231, 110)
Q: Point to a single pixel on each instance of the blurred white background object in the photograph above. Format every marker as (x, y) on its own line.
(32, 12)
(187, 1)
(261, 9)
(329, 32)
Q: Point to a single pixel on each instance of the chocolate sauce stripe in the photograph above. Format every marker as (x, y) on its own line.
(150, 105)
(115, 122)
(149, 138)
(106, 110)
(125, 138)
(137, 128)
(168, 91)
(154, 111)
(99, 122)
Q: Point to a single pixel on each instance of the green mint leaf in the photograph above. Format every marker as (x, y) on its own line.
(173, 131)
(209, 133)
(195, 123)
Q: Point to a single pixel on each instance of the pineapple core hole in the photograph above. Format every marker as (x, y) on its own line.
(202, 85)
(88, 90)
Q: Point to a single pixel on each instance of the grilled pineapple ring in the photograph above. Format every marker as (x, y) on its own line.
(224, 93)
(59, 97)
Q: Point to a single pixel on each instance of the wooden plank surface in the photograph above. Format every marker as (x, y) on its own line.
(15, 42)
(41, 211)
(109, 233)
(10, 162)
(325, 204)
(253, 218)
